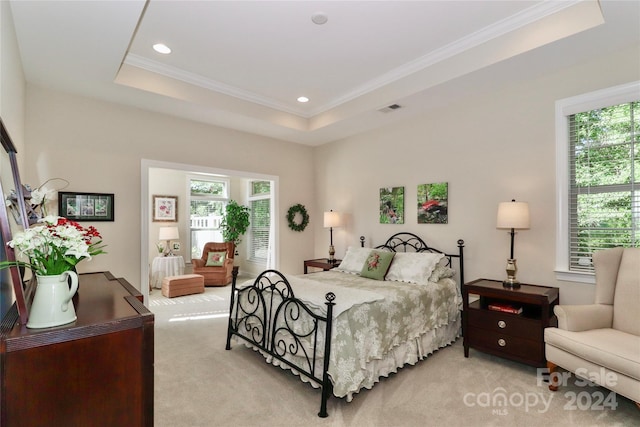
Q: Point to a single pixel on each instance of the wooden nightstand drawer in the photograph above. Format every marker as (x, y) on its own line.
(514, 336)
(503, 344)
(505, 323)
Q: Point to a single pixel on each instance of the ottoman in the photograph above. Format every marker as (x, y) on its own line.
(187, 284)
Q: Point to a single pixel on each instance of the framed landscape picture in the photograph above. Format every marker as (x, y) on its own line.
(392, 205)
(433, 203)
(86, 206)
(165, 208)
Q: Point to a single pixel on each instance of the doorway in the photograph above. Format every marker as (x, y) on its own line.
(148, 239)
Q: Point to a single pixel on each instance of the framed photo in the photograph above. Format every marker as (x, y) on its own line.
(433, 203)
(176, 246)
(86, 206)
(165, 208)
(392, 205)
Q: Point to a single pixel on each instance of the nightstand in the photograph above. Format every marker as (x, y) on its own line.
(322, 263)
(518, 337)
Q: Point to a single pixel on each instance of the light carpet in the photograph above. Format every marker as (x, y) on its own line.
(200, 384)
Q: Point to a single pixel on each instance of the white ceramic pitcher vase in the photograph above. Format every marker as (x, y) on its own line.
(52, 305)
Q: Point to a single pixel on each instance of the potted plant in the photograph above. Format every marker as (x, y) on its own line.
(235, 222)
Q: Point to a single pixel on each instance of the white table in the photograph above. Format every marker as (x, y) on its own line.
(163, 266)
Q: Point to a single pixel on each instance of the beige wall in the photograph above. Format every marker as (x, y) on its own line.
(489, 149)
(99, 146)
(12, 82)
(168, 182)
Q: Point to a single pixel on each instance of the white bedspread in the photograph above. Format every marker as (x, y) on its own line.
(400, 324)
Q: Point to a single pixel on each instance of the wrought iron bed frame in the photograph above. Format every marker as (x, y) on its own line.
(254, 317)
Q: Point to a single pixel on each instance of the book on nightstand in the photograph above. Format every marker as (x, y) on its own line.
(505, 308)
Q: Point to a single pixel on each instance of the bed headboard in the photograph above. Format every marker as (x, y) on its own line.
(409, 242)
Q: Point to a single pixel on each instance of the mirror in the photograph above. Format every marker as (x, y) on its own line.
(12, 292)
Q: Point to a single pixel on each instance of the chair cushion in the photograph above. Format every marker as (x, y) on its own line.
(613, 349)
(626, 314)
(215, 259)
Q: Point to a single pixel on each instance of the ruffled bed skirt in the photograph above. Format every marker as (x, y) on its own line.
(409, 353)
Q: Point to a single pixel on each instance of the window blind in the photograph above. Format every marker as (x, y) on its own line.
(604, 182)
(259, 233)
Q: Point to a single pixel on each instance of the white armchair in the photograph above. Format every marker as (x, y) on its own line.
(603, 337)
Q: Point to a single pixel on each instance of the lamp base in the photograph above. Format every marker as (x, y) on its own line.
(332, 253)
(510, 284)
(512, 269)
(167, 249)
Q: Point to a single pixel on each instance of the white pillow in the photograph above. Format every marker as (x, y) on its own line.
(353, 260)
(413, 267)
(441, 272)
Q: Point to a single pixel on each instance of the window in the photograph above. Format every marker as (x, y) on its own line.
(260, 204)
(208, 198)
(601, 206)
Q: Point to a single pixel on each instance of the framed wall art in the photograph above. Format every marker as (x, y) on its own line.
(165, 208)
(86, 206)
(433, 203)
(392, 205)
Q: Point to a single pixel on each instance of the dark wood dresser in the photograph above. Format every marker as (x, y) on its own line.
(96, 371)
(516, 336)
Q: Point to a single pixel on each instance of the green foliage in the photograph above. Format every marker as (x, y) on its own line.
(260, 187)
(209, 188)
(392, 205)
(437, 191)
(235, 222)
(607, 162)
(206, 207)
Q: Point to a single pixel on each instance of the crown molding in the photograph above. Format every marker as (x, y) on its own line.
(465, 44)
(206, 83)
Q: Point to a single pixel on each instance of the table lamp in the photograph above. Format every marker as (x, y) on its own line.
(513, 216)
(168, 234)
(331, 219)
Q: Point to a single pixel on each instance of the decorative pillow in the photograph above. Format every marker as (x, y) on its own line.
(441, 272)
(377, 264)
(215, 259)
(413, 267)
(353, 260)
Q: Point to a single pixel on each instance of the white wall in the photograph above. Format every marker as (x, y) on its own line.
(99, 146)
(489, 149)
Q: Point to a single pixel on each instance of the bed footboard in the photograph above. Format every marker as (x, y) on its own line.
(268, 316)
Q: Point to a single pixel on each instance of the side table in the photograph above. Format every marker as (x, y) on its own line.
(515, 336)
(322, 263)
(163, 266)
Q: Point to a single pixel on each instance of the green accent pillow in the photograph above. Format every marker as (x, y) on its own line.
(215, 259)
(377, 264)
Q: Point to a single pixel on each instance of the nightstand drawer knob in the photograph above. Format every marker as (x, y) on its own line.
(502, 324)
(502, 342)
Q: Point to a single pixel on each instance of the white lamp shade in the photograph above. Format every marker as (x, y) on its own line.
(169, 233)
(332, 219)
(513, 215)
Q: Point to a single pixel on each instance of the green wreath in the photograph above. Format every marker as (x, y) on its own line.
(291, 217)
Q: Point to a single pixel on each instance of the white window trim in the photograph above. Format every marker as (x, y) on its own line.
(565, 107)
(225, 199)
(250, 198)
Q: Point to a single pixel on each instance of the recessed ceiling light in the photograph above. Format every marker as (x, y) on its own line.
(303, 99)
(162, 48)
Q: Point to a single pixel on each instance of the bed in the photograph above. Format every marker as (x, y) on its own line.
(344, 329)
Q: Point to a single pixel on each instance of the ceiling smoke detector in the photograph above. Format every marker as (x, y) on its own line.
(319, 18)
(390, 108)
